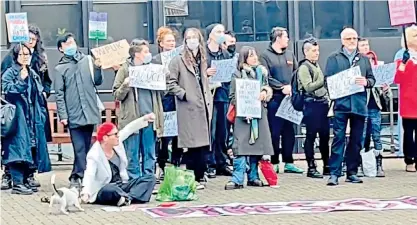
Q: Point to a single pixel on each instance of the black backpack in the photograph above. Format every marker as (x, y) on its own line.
(298, 95)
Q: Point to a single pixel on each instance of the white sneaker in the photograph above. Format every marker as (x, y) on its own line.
(123, 202)
(200, 186)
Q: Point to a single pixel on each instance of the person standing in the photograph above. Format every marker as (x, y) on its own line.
(230, 43)
(188, 81)
(281, 63)
(316, 107)
(76, 99)
(352, 107)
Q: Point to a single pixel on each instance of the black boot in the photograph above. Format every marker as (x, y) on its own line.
(312, 170)
(6, 181)
(326, 171)
(379, 170)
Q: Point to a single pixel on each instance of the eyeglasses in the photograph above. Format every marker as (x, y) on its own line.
(351, 39)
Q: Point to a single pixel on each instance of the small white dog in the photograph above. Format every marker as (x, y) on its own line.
(65, 197)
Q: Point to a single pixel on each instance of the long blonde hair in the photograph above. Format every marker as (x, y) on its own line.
(201, 48)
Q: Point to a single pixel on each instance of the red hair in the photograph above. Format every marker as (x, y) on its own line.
(104, 129)
(372, 55)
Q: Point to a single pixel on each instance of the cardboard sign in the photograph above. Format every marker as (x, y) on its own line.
(343, 84)
(247, 98)
(151, 77)
(17, 27)
(384, 74)
(224, 70)
(402, 12)
(287, 111)
(170, 124)
(166, 57)
(97, 26)
(112, 54)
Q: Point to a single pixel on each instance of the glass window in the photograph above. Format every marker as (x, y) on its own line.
(380, 27)
(124, 21)
(3, 37)
(253, 20)
(67, 18)
(324, 19)
(182, 14)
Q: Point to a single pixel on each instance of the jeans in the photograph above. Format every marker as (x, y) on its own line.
(140, 152)
(410, 140)
(81, 142)
(352, 154)
(219, 130)
(372, 129)
(239, 168)
(19, 172)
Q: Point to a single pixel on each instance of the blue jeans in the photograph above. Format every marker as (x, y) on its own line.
(372, 129)
(239, 168)
(140, 152)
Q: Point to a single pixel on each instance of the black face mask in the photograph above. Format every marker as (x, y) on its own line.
(231, 48)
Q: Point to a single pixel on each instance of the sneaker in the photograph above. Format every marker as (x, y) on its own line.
(411, 168)
(123, 201)
(6, 182)
(33, 188)
(201, 186)
(21, 190)
(211, 172)
(276, 168)
(33, 182)
(232, 185)
(291, 168)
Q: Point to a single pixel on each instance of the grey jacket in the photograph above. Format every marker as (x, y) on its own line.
(75, 91)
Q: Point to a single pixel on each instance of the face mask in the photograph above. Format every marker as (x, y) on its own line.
(193, 44)
(220, 39)
(231, 48)
(70, 50)
(147, 59)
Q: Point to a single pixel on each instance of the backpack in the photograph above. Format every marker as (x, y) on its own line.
(298, 95)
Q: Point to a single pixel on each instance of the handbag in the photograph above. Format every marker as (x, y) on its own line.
(231, 113)
(8, 118)
(100, 104)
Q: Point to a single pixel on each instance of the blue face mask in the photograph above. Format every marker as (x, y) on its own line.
(220, 39)
(70, 50)
(148, 58)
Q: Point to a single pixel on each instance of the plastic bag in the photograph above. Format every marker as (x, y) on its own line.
(269, 173)
(178, 185)
(368, 163)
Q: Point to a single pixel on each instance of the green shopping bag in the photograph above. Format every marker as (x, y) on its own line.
(178, 185)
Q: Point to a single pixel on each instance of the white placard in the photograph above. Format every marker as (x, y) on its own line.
(343, 84)
(170, 124)
(247, 98)
(151, 77)
(224, 70)
(287, 111)
(167, 56)
(384, 74)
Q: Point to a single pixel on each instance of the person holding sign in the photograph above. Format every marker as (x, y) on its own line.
(406, 77)
(22, 87)
(281, 63)
(352, 107)
(77, 100)
(134, 103)
(188, 81)
(316, 106)
(230, 43)
(253, 135)
(219, 127)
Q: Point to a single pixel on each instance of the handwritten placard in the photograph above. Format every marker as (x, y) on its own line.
(224, 70)
(170, 124)
(402, 12)
(97, 26)
(384, 74)
(287, 111)
(112, 54)
(343, 84)
(17, 27)
(151, 77)
(247, 98)
(167, 56)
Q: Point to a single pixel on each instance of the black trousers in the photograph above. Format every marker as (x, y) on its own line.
(410, 140)
(81, 142)
(195, 160)
(139, 190)
(163, 154)
(316, 121)
(352, 154)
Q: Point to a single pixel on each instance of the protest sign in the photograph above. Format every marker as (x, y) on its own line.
(170, 124)
(343, 84)
(151, 76)
(97, 26)
(17, 27)
(402, 12)
(224, 70)
(247, 98)
(384, 74)
(112, 54)
(287, 111)
(167, 56)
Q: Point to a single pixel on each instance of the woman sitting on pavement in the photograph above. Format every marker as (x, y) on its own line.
(105, 179)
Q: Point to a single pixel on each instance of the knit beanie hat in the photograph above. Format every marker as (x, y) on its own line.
(210, 28)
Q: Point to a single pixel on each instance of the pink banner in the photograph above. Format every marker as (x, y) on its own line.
(402, 12)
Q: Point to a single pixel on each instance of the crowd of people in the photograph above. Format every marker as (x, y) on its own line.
(121, 166)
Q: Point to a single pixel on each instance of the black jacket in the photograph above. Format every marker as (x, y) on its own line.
(356, 103)
(222, 93)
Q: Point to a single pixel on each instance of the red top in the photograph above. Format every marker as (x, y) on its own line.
(407, 80)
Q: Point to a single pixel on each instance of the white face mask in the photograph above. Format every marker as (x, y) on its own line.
(193, 44)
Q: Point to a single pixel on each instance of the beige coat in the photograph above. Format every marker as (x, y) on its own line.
(129, 107)
(195, 111)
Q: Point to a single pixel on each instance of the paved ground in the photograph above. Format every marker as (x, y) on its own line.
(29, 210)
